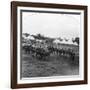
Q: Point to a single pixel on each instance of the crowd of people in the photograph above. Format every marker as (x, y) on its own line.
(45, 50)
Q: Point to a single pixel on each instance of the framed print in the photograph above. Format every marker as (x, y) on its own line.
(48, 44)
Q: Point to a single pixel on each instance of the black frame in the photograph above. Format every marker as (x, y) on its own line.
(14, 6)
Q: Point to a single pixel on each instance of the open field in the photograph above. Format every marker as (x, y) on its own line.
(53, 65)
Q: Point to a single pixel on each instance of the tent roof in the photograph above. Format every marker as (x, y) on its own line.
(65, 42)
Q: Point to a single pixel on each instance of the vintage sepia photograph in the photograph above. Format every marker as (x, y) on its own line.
(48, 44)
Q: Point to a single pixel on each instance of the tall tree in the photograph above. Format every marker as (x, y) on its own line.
(77, 40)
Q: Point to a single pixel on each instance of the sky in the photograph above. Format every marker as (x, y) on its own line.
(51, 25)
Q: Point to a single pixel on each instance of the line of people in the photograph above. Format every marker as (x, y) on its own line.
(40, 52)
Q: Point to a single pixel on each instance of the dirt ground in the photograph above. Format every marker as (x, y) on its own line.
(51, 66)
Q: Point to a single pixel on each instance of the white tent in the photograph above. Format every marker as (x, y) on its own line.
(69, 41)
(56, 41)
(31, 37)
(65, 42)
(28, 38)
(75, 43)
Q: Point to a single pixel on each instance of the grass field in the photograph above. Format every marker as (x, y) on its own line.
(53, 65)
